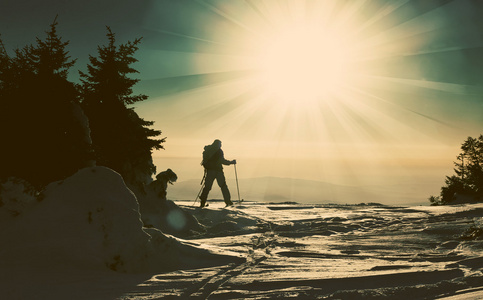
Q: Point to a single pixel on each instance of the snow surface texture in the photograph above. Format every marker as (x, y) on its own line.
(89, 222)
(85, 240)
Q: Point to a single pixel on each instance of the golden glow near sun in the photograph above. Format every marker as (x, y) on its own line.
(316, 88)
(320, 72)
(302, 63)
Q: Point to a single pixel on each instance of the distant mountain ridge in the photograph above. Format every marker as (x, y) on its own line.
(280, 189)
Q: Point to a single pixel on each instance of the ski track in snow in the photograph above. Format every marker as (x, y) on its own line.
(330, 252)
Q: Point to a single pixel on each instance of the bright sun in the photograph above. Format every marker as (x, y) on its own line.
(303, 64)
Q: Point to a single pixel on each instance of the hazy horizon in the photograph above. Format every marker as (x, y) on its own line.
(411, 184)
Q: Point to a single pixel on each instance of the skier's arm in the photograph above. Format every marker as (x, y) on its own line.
(228, 162)
(225, 161)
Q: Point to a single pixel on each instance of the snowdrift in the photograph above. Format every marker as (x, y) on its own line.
(91, 220)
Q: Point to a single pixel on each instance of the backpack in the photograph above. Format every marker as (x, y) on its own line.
(208, 153)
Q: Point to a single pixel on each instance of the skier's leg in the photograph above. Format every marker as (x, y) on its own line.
(210, 177)
(220, 179)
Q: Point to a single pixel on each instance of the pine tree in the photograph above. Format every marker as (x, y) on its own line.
(5, 69)
(122, 140)
(44, 127)
(473, 152)
(50, 57)
(469, 172)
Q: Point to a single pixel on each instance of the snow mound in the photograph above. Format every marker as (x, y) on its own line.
(91, 220)
(16, 195)
(168, 217)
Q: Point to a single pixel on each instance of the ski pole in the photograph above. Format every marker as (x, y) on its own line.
(202, 183)
(237, 188)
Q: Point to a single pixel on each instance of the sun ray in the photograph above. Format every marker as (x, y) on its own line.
(230, 17)
(191, 37)
(158, 87)
(402, 14)
(260, 10)
(394, 110)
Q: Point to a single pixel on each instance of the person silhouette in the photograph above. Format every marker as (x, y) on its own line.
(213, 161)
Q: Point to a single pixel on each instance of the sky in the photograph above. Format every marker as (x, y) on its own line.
(360, 92)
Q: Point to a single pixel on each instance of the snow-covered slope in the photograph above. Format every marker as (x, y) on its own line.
(91, 221)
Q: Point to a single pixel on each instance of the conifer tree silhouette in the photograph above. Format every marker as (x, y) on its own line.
(122, 140)
(469, 173)
(46, 137)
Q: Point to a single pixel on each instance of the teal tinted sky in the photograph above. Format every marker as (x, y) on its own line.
(414, 94)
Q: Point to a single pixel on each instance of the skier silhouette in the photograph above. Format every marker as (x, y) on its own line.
(213, 161)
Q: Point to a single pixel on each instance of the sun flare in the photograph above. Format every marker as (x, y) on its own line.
(317, 74)
(304, 64)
